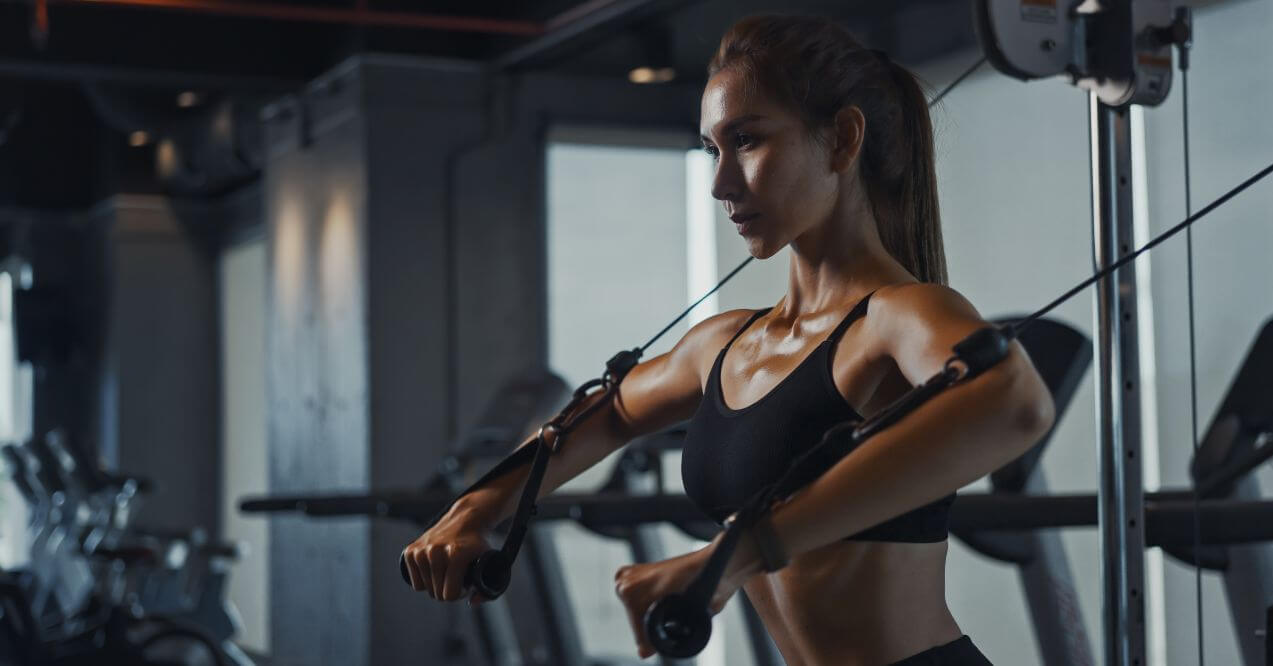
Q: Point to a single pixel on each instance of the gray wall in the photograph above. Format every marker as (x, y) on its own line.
(317, 383)
(244, 454)
(160, 379)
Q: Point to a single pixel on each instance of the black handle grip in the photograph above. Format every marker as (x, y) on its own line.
(488, 575)
(678, 626)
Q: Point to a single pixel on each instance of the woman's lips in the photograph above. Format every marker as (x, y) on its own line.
(744, 223)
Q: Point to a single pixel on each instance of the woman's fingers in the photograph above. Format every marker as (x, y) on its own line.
(439, 562)
(453, 583)
(637, 620)
(635, 604)
(417, 568)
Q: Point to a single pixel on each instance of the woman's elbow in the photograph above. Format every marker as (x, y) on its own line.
(1034, 412)
(1038, 416)
(1026, 411)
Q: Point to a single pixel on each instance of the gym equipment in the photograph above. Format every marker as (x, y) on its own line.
(100, 591)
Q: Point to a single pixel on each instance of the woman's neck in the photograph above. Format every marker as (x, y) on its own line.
(835, 262)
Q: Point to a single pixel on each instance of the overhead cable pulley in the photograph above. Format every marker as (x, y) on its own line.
(1119, 49)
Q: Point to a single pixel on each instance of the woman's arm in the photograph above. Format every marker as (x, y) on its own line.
(655, 394)
(955, 438)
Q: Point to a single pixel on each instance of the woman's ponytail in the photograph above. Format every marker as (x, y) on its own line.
(917, 223)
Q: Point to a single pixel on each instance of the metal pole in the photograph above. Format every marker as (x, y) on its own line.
(1121, 500)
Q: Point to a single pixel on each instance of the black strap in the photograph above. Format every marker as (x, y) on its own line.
(746, 325)
(855, 314)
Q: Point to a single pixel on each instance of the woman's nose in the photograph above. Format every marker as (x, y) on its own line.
(727, 179)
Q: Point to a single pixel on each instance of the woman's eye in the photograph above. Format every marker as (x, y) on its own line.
(711, 150)
(743, 140)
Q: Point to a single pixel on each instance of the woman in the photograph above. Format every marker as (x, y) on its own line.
(826, 147)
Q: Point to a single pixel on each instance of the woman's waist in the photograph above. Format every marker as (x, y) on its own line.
(861, 586)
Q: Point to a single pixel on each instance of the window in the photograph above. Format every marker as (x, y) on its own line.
(15, 419)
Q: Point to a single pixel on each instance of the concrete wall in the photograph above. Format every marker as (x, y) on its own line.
(160, 385)
(317, 383)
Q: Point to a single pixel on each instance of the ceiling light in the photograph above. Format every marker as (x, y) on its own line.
(652, 75)
(187, 99)
(138, 139)
(167, 161)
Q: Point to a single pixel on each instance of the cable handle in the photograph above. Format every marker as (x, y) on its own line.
(490, 573)
(679, 625)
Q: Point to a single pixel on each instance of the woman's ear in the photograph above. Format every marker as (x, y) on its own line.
(848, 133)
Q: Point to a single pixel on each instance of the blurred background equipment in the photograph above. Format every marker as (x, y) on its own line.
(99, 590)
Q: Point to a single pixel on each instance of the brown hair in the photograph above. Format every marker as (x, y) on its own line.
(816, 68)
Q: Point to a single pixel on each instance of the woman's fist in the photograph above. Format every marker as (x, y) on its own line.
(438, 561)
(638, 586)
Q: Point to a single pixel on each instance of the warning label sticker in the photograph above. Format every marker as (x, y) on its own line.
(1038, 11)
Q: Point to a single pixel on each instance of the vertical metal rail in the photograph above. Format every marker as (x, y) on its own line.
(1121, 501)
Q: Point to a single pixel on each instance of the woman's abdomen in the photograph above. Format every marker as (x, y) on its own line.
(857, 602)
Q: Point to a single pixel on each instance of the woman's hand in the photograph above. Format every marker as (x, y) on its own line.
(640, 585)
(439, 559)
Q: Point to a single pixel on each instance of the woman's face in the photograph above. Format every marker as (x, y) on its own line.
(774, 179)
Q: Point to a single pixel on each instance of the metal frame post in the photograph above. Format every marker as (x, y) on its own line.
(1121, 499)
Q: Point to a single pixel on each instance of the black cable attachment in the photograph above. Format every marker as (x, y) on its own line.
(618, 366)
(490, 573)
(679, 625)
(982, 349)
(1179, 34)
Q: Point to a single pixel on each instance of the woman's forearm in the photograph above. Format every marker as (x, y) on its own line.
(955, 438)
(595, 438)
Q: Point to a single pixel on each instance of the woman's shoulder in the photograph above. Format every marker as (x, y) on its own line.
(714, 332)
(703, 341)
(912, 301)
(917, 324)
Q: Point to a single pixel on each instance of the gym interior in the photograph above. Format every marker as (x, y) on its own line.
(276, 276)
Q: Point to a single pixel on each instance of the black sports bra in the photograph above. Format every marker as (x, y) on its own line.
(730, 454)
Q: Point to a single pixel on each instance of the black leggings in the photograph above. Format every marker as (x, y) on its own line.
(959, 652)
